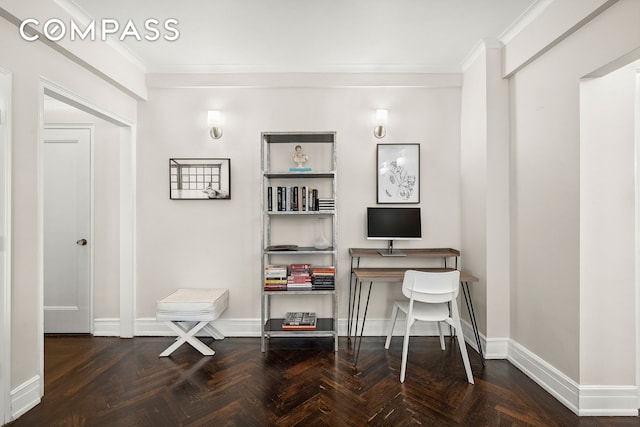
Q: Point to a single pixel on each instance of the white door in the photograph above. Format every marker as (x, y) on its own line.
(67, 227)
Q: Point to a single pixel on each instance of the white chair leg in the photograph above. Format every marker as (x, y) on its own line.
(463, 347)
(405, 349)
(441, 336)
(394, 316)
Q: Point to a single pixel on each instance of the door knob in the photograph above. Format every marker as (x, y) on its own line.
(82, 242)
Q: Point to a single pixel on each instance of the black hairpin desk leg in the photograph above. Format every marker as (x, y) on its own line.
(472, 316)
(364, 319)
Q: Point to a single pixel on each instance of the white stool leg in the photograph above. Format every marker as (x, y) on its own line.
(213, 332)
(185, 335)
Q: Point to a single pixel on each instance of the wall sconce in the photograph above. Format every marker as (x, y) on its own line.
(213, 120)
(381, 121)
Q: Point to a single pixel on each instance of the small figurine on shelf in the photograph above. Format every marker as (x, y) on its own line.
(299, 158)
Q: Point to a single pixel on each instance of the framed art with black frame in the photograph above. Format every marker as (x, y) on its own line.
(199, 179)
(398, 173)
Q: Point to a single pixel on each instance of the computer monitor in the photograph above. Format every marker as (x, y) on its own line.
(393, 224)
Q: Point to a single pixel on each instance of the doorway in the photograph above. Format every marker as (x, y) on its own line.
(122, 134)
(68, 225)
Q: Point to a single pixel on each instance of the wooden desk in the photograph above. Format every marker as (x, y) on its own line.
(444, 253)
(394, 275)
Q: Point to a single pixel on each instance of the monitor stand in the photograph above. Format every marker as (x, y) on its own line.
(390, 251)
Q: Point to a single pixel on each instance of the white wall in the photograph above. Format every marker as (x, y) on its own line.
(29, 62)
(607, 228)
(545, 311)
(217, 243)
(473, 170)
(485, 193)
(104, 60)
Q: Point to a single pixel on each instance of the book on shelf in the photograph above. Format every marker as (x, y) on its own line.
(298, 320)
(276, 270)
(326, 204)
(323, 278)
(299, 277)
(296, 199)
(275, 277)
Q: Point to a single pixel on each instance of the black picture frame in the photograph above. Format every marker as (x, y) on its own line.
(200, 179)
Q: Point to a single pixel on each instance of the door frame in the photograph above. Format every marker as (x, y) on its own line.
(127, 209)
(637, 225)
(5, 280)
(91, 129)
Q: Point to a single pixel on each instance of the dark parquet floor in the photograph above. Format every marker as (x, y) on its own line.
(98, 381)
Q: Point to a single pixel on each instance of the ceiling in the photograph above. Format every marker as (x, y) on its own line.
(420, 36)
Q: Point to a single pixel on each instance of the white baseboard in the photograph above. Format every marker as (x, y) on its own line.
(583, 400)
(150, 327)
(25, 397)
(546, 376)
(602, 401)
(106, 327)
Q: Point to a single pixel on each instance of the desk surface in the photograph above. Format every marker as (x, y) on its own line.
(424, 253)
(397, 274)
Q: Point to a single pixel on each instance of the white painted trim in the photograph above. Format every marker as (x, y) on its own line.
(301, 80)
(127, 196)
(524, 20)
(127, 231)
(583, 400)
(546, 376)
(127, 210)
(25, 396)
(149, 326)
(40, 236)
(480, 48)
(106, 327)
(637, 224)
(601, 401)
(81, 16)
(5, 281)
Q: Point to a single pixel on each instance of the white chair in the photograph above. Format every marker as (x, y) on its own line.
(431, 298)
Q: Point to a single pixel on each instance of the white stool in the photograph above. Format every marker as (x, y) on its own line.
(187, 311)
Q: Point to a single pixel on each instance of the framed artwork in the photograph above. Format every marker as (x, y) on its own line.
(200, 179)
(398, 173)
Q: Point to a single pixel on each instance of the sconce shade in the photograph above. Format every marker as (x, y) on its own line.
(381, 121)
(213, 121)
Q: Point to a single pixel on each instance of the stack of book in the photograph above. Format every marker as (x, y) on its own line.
(323, 278)
(298, 321)
(326, 204)
(299, 278)
(275, 278)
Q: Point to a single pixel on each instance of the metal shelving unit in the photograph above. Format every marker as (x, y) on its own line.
(277, 172)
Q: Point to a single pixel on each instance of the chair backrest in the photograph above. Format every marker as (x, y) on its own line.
(433, 287)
